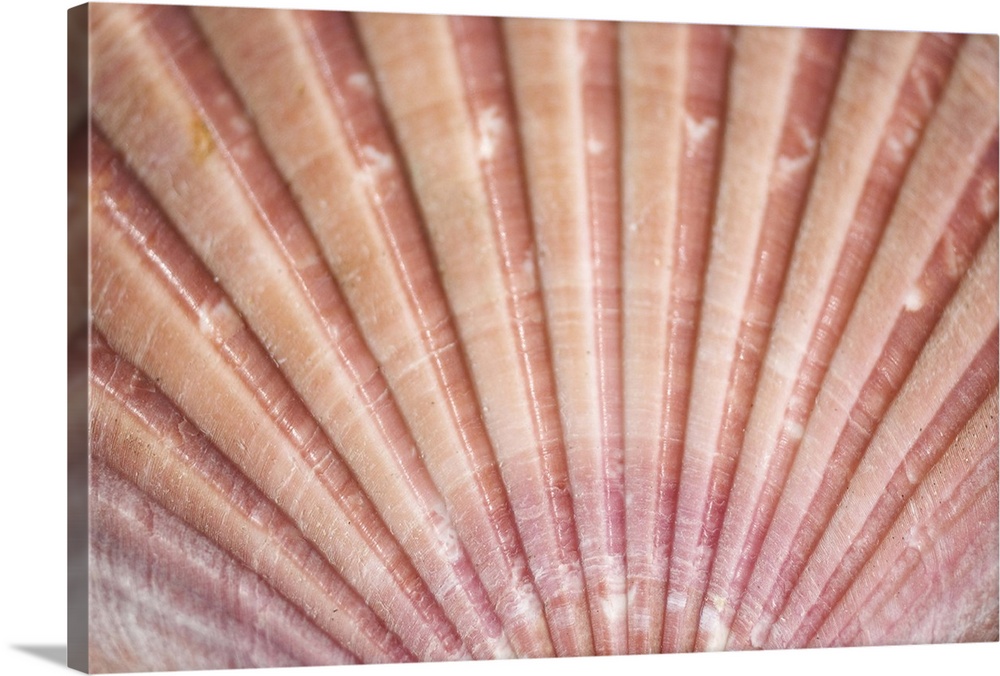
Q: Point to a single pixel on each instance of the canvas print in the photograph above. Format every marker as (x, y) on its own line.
(426, 338)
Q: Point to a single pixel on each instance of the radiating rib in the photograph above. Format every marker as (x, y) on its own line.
(945, 206)
(889, 86)
(139, 434)
(934, 574)
(160, 309)
(376, 260)
(443, 82)
(182, 603)
(756, 217)
(324, 129)
(955, 372)
(565, 84)
(673, 97)
(292, 302)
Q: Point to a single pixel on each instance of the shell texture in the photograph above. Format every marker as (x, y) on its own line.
(437, 338)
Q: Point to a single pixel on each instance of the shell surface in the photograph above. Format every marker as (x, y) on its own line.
(420, 337)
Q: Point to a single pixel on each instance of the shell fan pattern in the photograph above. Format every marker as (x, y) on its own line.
(441, 338)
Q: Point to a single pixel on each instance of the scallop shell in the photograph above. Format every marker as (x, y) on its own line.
(432, 338)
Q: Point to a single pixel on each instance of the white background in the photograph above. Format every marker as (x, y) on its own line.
(33, 250)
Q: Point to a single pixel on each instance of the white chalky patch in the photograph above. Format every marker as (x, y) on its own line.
(683, 255)
(361, 82)
(807, 139)
(375, 161)
(239, 124)
(988, 197)
(241, 151)
(697, 131)
(924, 89)
(914, 300)
(308, 261)
(759, 634)
(205, 320)
(594, 147)
(453, 549)
(446, 533)
(528, 603)
(913, 538)
(791, 165)
(709, 619)
(900, 144)
(711, 624)
(568, 571)
(896, 147)
(794, 429)
(528, 265)
(786, 366)
(491, 126)
(676, 601)
(212, 319)
(613, 606)
(715, 639)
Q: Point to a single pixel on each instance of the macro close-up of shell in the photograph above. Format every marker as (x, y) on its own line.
(426, 338)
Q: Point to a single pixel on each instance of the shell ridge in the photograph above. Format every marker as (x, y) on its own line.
(858, 74)
(757, 254)
(682, 360)
(598, 42)
(847, 456)
(388, 370)
(110, 388)
(458, 337)
(524, 601)
(874, 292)
(280, 407)
(820, 61)
(438, 341)
(363, 390)
(491, 120)
(183, 613)
(922, 453)
(974, 478)
(649, 188)
(554, 160)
